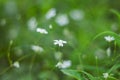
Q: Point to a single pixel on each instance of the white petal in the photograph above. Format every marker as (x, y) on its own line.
(16, 64)
(51, 13)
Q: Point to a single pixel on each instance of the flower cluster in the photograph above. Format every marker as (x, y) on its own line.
(42, 31)
(109, 38)
(51, 13)
(36, 48)
(64, 64)
(105, 75)
(59, 42)
(62, 20)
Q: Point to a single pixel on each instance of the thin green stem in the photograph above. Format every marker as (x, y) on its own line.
(8, 54)
(114, 47)
(96, 59)
(5, 70)
(31, 64)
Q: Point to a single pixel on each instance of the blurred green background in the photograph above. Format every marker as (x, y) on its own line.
(85, 19)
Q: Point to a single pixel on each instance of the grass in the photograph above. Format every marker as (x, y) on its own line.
(81, 49)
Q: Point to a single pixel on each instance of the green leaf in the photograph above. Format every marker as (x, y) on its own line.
(115, 12)
(111, 78)
(114, 68)
(89, 75)
(76, 74)
(73, 73)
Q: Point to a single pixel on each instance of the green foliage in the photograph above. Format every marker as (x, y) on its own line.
(33, 55)
(73, 73)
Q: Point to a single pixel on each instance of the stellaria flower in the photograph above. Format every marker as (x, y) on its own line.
(36, 48)
(77, 14)
(64, 64)
(59, 42)
(105, 75)
(42, 31)
(16, 64)
(51, 13)
(32, 23)
(62, 20)
(109, 38)
(108, 51)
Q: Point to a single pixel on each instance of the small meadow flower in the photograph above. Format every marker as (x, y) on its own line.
(109, 38)
(64, 64)
(62, 20)
(108, 51)
(51, 13)
(16, 64)
(77, 14)
(42, 31)
(59, 43)
(32, 23)
(36, 48)
(105, 75)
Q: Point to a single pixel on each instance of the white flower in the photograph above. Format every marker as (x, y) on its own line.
(16, 64)
(62, 20)
(77, 14)
(51, 13)
(42, 31)
(109, 38)
(36, 48)
(59, 42)
(105, 75)
(64, 64)
(32, 23)
(108, 51)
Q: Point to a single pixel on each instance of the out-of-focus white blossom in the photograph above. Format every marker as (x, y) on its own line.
(109, 38)
(37, 48)
(59, 43)
(77, 14)
(105, 75)
(32, 23)
(62, 20)
(11, 7)
(42, 31)
(16, 64)
(108, 51)
(64, 64)
(51, 13)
